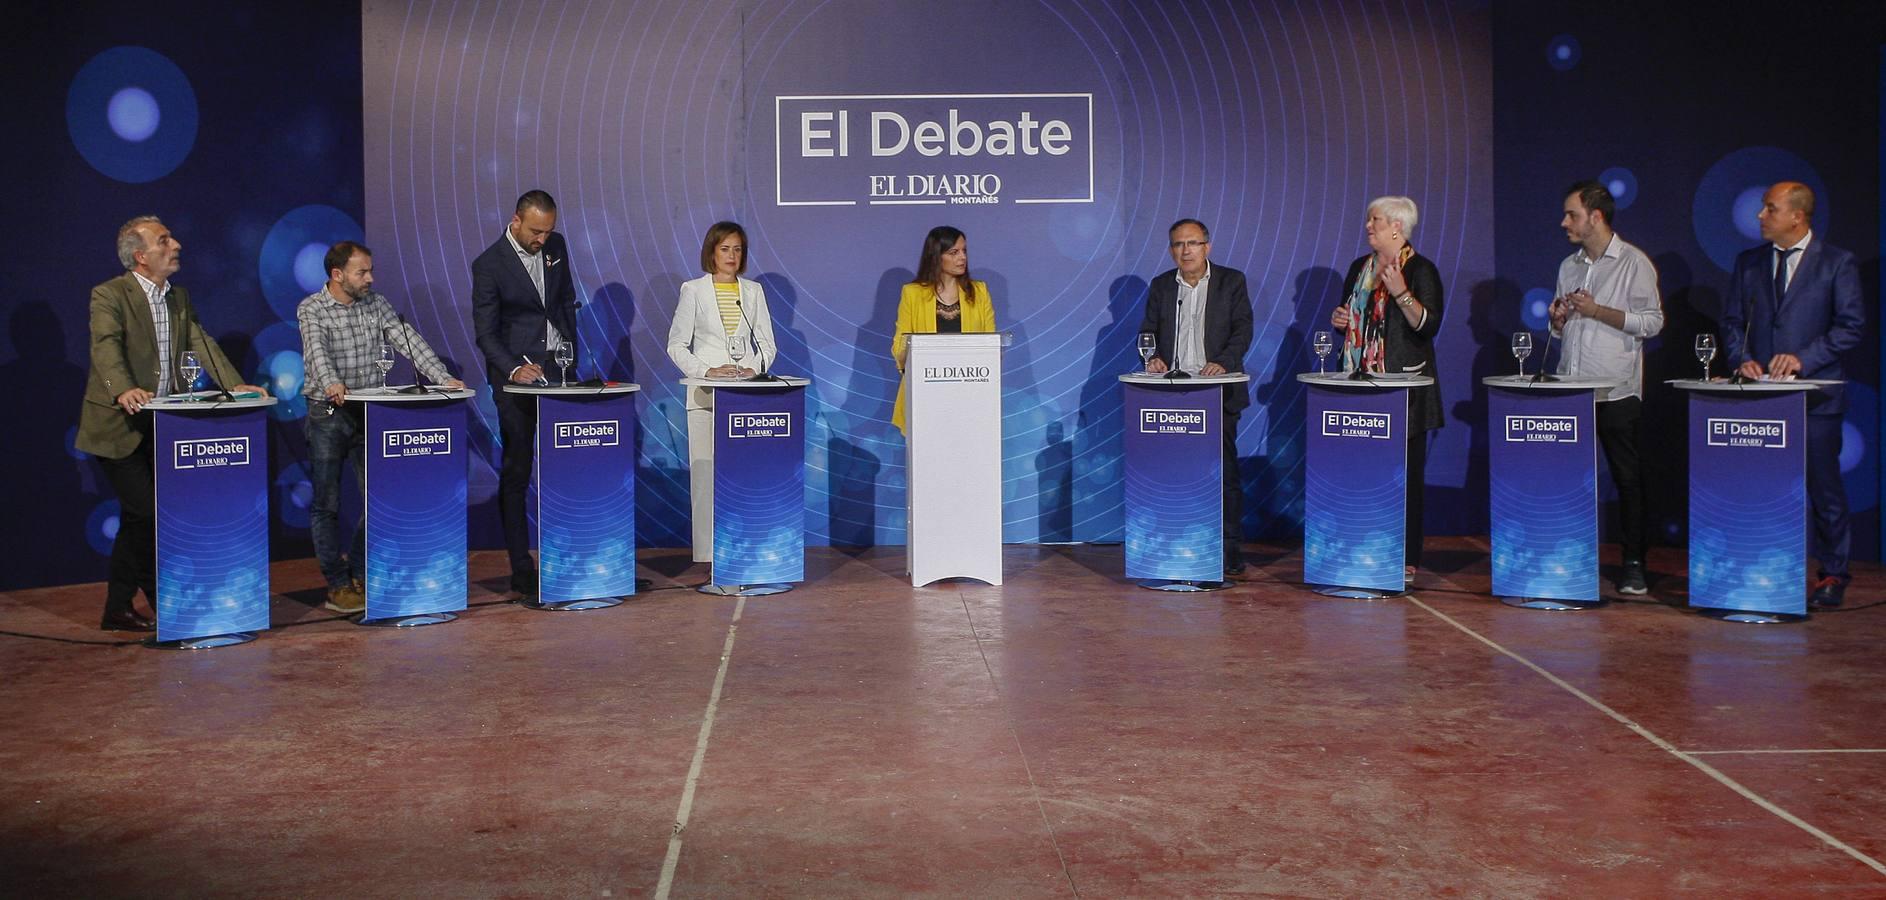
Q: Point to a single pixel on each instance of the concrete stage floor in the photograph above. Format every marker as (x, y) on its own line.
(1065, 734)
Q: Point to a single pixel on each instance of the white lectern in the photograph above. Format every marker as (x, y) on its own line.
(953, 459)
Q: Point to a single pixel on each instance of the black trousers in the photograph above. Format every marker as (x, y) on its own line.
(1234, 495)
(1413, 535)
(1827, 496)
(134, 550)
(1618, 427)
(517, 426)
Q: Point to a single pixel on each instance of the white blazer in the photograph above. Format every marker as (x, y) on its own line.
(697, 341)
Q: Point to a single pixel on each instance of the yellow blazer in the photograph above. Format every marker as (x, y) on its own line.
(124, 356)
(916, 314)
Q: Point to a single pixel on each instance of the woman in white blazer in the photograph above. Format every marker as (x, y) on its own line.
(717, 311)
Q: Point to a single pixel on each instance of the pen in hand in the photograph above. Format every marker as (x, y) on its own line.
(541, 380)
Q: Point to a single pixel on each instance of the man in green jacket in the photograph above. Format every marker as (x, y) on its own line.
(141, 325)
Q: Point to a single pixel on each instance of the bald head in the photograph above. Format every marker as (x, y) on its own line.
(1787, 208)
(1798, 195)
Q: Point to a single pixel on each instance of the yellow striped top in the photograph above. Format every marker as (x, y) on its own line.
(728, 297)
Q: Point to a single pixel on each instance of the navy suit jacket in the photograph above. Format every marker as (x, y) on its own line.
(507, 315)
(1819, 318)
(1227, 324)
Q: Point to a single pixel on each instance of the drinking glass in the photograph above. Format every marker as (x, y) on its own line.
(738, 351)
(1522, 348)
(566, 354)
(1322, 342)
(1148, 342)
(1705, 351)
(384, 362)
(191, 367)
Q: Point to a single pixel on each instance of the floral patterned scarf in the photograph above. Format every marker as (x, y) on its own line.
(1363, 343)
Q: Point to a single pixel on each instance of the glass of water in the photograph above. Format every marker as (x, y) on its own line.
(1148, 342)
(1522, 348)
(738, 351)
(566, 354)
(190, 366)
(1322, 342)
(1705, 351)
(384, 362)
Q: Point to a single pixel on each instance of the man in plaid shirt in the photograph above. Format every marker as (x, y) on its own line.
(342, 327)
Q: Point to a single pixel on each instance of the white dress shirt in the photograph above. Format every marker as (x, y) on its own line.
(1188, 342)
(534, 266)
(1794, 259)
(1622, 278)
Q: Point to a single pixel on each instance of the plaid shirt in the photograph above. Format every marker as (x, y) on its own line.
(158, 296)
(339, 342)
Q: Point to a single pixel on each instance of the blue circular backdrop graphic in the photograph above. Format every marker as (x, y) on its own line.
(1730, 194)
(284, 250)
(1535, 308)
(101, 527)
(1621, 183)
(294, 493)
(284, 373)
(311, 267)
(131, 114)
(1563, 53)
(1282, 183)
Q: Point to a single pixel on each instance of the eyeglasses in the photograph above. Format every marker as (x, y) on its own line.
(1177, 245)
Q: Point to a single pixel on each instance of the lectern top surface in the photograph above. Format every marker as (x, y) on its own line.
(392, 394)
(1534, 383)
(971, 338)
(206, 401)
(1387, 381)
(1723, 385)
(1144, 378)
(614, 387)
(743, 384)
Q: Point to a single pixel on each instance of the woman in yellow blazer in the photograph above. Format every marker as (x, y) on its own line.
(943, 299)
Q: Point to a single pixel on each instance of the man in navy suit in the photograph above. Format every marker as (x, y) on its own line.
(1794, 306)
(523, 305)
(1206, 334)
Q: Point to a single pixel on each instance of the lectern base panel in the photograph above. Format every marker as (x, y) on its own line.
(207, 642)
(1746, 617)
(1355, 593)
(438, 618)
(1550, 604)
(1160, 584)
(575, 605)
(744, 590)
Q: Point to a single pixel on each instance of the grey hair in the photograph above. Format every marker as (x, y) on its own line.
(1399, 210)
(130, 242)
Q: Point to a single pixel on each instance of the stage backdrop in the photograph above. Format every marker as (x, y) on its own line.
(1684, 133)
(1063, 136)
(248, 149)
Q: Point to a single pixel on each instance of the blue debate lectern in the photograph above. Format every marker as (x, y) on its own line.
(1355, 483)
(417, 467)
(759, 485)
(212, 489)
(1175, 489)
(1748, 498)
(585, 480)
(1542, 490)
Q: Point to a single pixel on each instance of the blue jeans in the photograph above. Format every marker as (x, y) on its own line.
(332, 438)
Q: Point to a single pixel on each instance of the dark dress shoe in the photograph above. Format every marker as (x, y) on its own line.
(126, 620)
(1829, 593)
